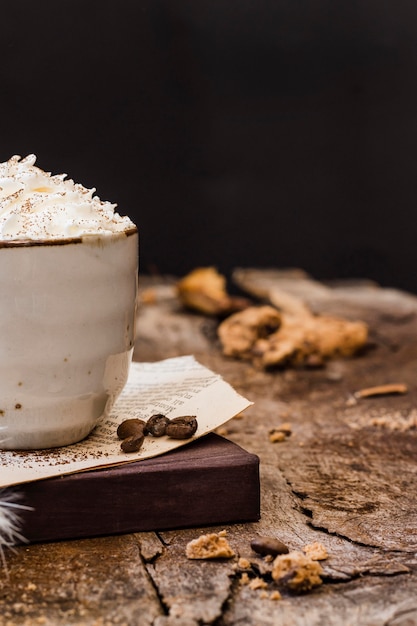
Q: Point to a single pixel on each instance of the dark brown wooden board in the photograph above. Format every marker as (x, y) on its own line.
(210, 481)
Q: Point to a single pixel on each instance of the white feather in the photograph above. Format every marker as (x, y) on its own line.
(10, 525)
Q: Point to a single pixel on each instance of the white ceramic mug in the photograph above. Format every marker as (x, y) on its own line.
(67, 329)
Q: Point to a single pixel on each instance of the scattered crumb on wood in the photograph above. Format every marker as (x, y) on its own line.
(210, 546)
(244, 579)
(275, 595)
(395, 422)
(316, 551)
(276, 436)
(351, 401)
(257, 583)
(381, 390)
(297, 571)
(280, 433)
(243, 563)
(285, 427)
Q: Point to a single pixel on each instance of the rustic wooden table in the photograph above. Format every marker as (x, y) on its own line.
(346, 477)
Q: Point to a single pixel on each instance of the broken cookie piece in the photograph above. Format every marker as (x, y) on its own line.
(210, 546)
(241, 333)
(204, 290)
(297, 571)
(271, 338)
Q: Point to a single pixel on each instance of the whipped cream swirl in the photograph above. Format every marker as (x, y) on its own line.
(34, 205)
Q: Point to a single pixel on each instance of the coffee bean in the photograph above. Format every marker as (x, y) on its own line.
(268, 545)
(182, 427)
(133, 431)
(132, 443)
(156, 425)
(130, 427)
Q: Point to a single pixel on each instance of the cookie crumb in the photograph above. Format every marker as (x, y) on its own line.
(257, 583)
(297, 571)
(316, 551)
(275, 595)
(276, 436)
(285, 428)
(210, 546)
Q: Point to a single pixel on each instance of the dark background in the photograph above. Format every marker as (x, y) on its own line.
(241, 133)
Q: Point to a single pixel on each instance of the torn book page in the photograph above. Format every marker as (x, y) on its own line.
(174, 387)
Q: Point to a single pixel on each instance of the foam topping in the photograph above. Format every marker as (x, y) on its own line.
(35, 205)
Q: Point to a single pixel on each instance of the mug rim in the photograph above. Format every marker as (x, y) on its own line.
(26, 243)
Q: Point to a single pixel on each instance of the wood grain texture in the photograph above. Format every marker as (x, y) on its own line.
(345, 477)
